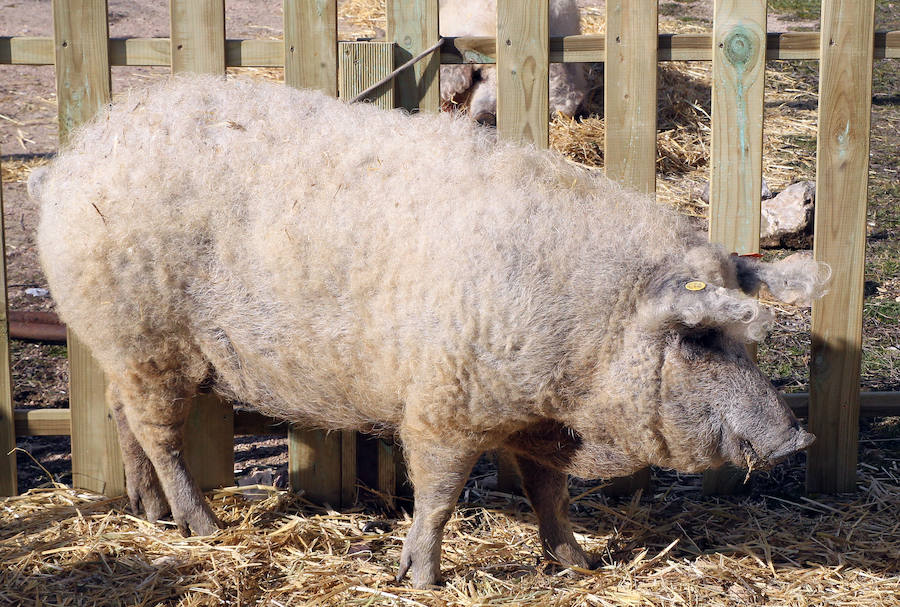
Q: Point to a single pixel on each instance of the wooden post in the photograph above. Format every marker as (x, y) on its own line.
(83, 87)
(321, 464)
(198, 45)
(413, 26)
(739, 53)
(630, 116)
(842, 164)
(523, 85)
(310, 41)
(523, 71)
(8, 478)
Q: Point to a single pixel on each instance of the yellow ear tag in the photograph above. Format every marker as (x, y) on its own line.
(695, 285)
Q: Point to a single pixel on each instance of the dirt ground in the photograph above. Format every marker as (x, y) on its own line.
(28, 137)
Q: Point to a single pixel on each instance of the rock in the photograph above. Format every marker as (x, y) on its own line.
(765, 193)
(787, 218)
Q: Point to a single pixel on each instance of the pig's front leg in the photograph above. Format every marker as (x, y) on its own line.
(547, 490)
(438, 471)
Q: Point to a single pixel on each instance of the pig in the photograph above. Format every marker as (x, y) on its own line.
(478, 84)
(345, 267)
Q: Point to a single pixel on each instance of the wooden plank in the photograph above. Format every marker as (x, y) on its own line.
(26, 50)
(413, 26)
(198, 36)
(842, 166)
(140, 51)
(254, 53)
(96, 458)
(630, 93)
(198, 45)
(315, 464)
(737, 112)
(315, 457)
(630, 118)
(362, 64)
(8, 479)
(739, 51)
(523, 68)
(310, 44)
(82, 61)
(83, 87)
(43, 422)
(523, 73)
(590, 48)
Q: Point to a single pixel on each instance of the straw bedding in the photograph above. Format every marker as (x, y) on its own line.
(59, 546)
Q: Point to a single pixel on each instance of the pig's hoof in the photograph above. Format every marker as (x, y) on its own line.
(198, 522)
(569, 555)
(150, 500)
(424, 575)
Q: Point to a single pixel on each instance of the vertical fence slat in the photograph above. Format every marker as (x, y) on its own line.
(413, 25)
(630, 93)
(630, 119)
(198, 36)
(842, 164)
(8, 478)
(523, 71)
(523, 84)
(198, 45)
(739, 52)
(83, 86)
(316, 459)
(310, 40)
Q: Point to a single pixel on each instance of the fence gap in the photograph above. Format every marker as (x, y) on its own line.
(198, 45)
(739, 63)
(630, 118)
(8, 476)
(321, 464)
(842, 170)
(83, 87)
(413, 26)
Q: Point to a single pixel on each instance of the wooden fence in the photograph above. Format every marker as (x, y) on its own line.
(325, 465)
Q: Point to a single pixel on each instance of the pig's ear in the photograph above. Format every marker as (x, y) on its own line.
(693, 304)
(796, 279)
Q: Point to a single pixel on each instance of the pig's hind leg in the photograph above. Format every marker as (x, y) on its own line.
(438, 470)
(156, 401)
(144, 491)
(548, 491)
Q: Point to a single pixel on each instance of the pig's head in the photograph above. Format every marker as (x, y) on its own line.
(677, 388)
(715, 405)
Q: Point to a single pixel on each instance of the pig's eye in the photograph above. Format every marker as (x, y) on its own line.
(701, 341)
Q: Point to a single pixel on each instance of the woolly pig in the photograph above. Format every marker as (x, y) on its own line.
(568, 85)
(340, 266)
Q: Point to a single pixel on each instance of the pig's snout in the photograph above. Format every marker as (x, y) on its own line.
(798, 442)
(758, 457)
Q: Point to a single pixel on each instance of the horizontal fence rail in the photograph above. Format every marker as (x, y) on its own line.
(587, 48)
(56, 422)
